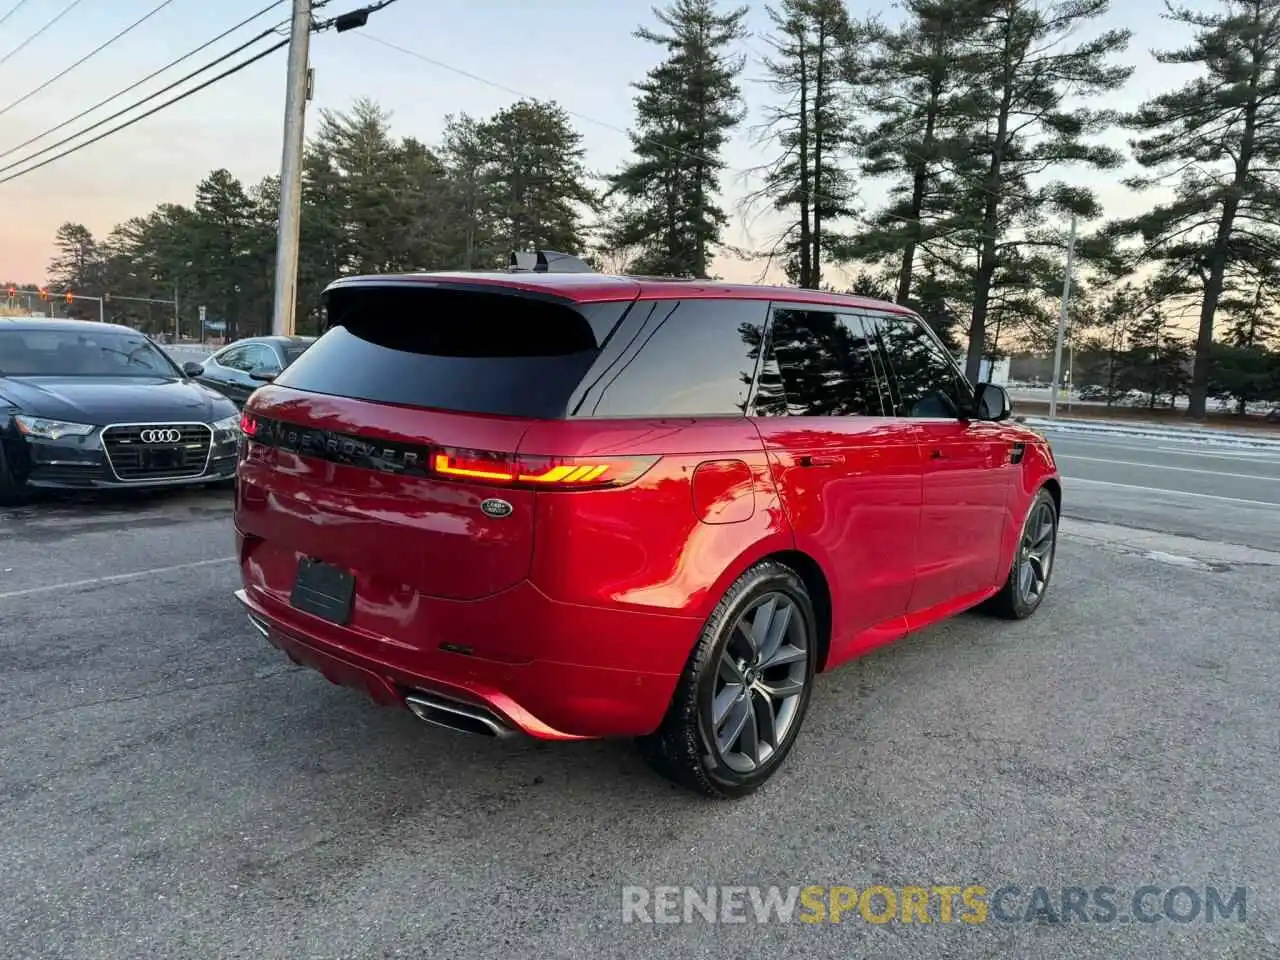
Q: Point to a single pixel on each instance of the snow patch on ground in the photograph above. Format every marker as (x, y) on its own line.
(1194, 435)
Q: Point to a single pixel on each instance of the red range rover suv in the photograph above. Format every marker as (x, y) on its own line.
(573, 505)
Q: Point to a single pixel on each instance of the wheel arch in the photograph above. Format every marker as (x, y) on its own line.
(808, 569)
(1054, 486)
(815, 582)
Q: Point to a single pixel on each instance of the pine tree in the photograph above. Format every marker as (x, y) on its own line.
(1156, 359)
(1217, 140)
(1249, 303)
(1028, 79)
(356, 169)
(535, 178)
(686, 108)
(78, 263)
(813, 40)
(918, 90)
(225, 252)
(474, 239)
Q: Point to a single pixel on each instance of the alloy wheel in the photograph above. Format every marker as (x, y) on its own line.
(1035, 553)
(761, 675)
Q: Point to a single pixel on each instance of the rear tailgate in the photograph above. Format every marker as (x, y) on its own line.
(346, 482)
(342, 459)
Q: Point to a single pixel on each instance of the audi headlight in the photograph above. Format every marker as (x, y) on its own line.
(51, 429)
(231, 423)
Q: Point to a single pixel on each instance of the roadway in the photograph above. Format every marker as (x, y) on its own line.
(1212, 493)
(170, 786)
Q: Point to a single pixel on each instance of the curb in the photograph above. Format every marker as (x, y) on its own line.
(1113, 429)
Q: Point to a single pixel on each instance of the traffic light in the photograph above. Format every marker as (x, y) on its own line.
(70, 297)
(44, 293)
(13, 293)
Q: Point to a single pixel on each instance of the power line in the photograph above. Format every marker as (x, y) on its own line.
(88, 56)
(142, 116)
(12, 10)
(69, 7)
(316, 27)
(151, 76)
(134, 106)
(178, 82)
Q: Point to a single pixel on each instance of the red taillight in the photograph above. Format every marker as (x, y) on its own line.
(543, 473)
(248, 426)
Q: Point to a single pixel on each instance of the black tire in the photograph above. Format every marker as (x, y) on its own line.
(1015, 601)
(686, 748)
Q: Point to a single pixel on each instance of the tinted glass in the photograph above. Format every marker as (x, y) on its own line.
(72, 353)
(263, 357)
(293, 351)
(927, 381)
(236, 358)
(684, 358)
(450, 349)
(820, 364)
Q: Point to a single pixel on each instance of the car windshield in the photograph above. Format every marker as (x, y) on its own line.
(293, 351)
(77, 353)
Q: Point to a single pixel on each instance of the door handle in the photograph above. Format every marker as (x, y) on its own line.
(821, 460)
(935, 454)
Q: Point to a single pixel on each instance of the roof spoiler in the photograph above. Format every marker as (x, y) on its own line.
(547, 261)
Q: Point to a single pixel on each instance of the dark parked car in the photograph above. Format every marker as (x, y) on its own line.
(242, 367)
(575, 505)
(86, 405)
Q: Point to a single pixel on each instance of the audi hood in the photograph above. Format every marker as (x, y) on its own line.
(101, 401)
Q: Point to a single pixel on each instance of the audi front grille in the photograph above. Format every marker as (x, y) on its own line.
(157, 451)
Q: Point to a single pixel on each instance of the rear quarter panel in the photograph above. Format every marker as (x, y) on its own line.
(648, 546)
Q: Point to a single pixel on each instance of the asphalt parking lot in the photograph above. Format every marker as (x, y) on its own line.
(170, 786)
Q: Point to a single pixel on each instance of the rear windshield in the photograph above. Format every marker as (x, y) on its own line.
(461, 350)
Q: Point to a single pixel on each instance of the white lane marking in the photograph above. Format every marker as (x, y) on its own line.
(1190, 449)
(1162, 466)
(1173, 493)
(113, 578)
(1219, 452)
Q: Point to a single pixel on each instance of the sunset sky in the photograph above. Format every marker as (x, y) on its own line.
(578, 53)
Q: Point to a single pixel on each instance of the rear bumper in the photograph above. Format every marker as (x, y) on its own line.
(544, 699)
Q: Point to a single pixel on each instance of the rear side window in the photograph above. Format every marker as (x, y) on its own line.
(820, 364)
(681, 358)
(454, 349)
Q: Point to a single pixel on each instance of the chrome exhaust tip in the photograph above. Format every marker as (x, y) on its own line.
(452, 715)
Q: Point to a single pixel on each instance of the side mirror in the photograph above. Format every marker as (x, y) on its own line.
(992, 402)
(264, 374)
(193, 369)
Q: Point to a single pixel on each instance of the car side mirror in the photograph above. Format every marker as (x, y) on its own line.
(264, 374)
(992, 402)
(193, 369)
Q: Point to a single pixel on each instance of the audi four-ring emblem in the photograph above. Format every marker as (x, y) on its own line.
(160, 436)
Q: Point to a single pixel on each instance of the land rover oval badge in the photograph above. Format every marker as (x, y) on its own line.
(496, 508)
